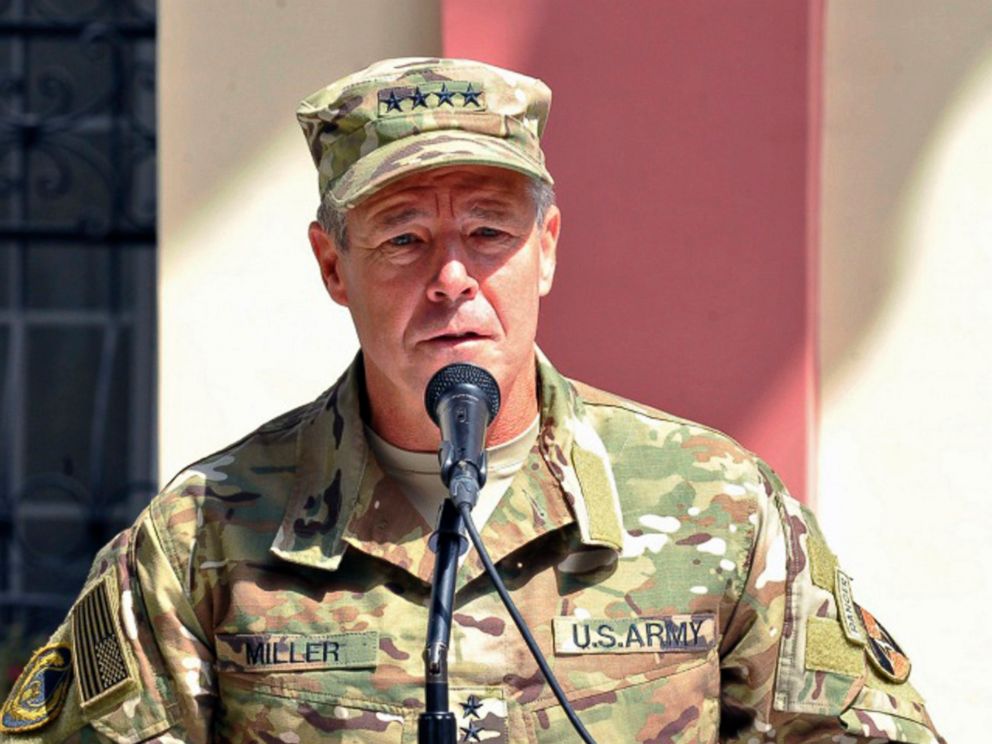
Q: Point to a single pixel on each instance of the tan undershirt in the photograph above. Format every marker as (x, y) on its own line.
(418, 473)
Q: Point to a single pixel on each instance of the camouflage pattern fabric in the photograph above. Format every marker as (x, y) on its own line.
(403, 115)
(277, 592)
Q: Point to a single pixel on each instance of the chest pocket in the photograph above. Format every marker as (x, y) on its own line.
(675, 702)
(314, 688)
(302, 707)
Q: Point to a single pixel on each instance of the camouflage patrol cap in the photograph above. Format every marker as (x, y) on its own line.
(398, 116)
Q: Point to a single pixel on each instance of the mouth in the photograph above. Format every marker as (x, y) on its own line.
(455, 339)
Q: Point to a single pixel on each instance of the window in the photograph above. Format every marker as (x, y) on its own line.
(77, 295)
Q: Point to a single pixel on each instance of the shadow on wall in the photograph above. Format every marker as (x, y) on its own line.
(239, 108)
(911, 86)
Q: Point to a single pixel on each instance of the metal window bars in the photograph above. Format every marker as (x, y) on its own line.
(77, 293)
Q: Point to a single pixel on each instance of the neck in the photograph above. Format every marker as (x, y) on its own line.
(398, 415)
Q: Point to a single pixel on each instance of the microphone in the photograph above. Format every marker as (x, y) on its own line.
(462, 400)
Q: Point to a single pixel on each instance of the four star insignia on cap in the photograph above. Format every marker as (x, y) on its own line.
(458, 95)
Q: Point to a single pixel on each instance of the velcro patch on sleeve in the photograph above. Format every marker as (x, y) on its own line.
(265, 652)
(40, 691)
(598, 492)
(642, 635)
(822, 562)
(827, 649)
(102, 662)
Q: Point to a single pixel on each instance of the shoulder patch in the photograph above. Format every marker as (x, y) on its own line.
(40, 692)
(850, 618)
(102, 663)
(882, 650)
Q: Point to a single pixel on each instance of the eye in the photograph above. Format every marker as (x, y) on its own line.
(487, 232)
(403, 240)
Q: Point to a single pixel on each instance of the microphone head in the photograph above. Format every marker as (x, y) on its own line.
(465, 376)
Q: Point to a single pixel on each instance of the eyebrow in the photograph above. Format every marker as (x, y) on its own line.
(393, 219)
(401, 217)
(489, 213)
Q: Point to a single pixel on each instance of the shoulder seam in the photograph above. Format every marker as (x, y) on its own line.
(652, 413)
(165, 538)
(238, 442)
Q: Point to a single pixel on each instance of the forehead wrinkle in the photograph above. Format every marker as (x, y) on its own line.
(491, 196)
(390, 219)
(481, 212)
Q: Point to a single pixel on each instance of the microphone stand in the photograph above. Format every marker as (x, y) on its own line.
(462, 400)
(437, 724)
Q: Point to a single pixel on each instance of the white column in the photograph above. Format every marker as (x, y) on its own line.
(906, 333)
(246, 330)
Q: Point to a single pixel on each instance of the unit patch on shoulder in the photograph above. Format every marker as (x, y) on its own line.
(883, 652)
(101, 659)
(39, 693)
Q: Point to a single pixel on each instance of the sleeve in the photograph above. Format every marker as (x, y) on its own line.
(129, 664)
(801, 661)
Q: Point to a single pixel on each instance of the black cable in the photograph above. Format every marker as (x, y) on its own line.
(466, 512)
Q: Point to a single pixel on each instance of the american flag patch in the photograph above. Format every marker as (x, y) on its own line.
(98, 649)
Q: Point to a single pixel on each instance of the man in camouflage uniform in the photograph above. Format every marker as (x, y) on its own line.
(277, 590)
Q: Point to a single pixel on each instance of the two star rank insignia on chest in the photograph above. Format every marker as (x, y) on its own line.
(470, 709)
(482, 717)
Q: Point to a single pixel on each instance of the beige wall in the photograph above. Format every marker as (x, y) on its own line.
(245, 328)
(906, 332)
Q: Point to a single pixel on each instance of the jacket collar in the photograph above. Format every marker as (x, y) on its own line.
(340, 497)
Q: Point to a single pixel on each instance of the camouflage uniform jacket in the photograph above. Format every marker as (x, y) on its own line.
(277, 592)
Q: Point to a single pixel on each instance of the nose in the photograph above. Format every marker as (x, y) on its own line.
(453, 281)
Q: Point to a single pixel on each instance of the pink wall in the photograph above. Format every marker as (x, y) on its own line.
(684, 140)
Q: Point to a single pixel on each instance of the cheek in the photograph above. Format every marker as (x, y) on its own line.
(384, 308)
(513, 292)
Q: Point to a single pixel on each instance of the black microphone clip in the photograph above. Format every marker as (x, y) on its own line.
(447, 457)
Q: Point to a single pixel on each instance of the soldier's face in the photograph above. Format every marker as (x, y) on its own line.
(444, 266)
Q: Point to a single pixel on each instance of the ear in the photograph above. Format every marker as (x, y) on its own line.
(548, 238)
(325, 250)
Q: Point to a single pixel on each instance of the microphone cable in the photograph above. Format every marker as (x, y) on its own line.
(465, 509)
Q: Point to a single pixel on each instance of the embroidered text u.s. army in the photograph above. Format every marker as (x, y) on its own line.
(662, 634)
